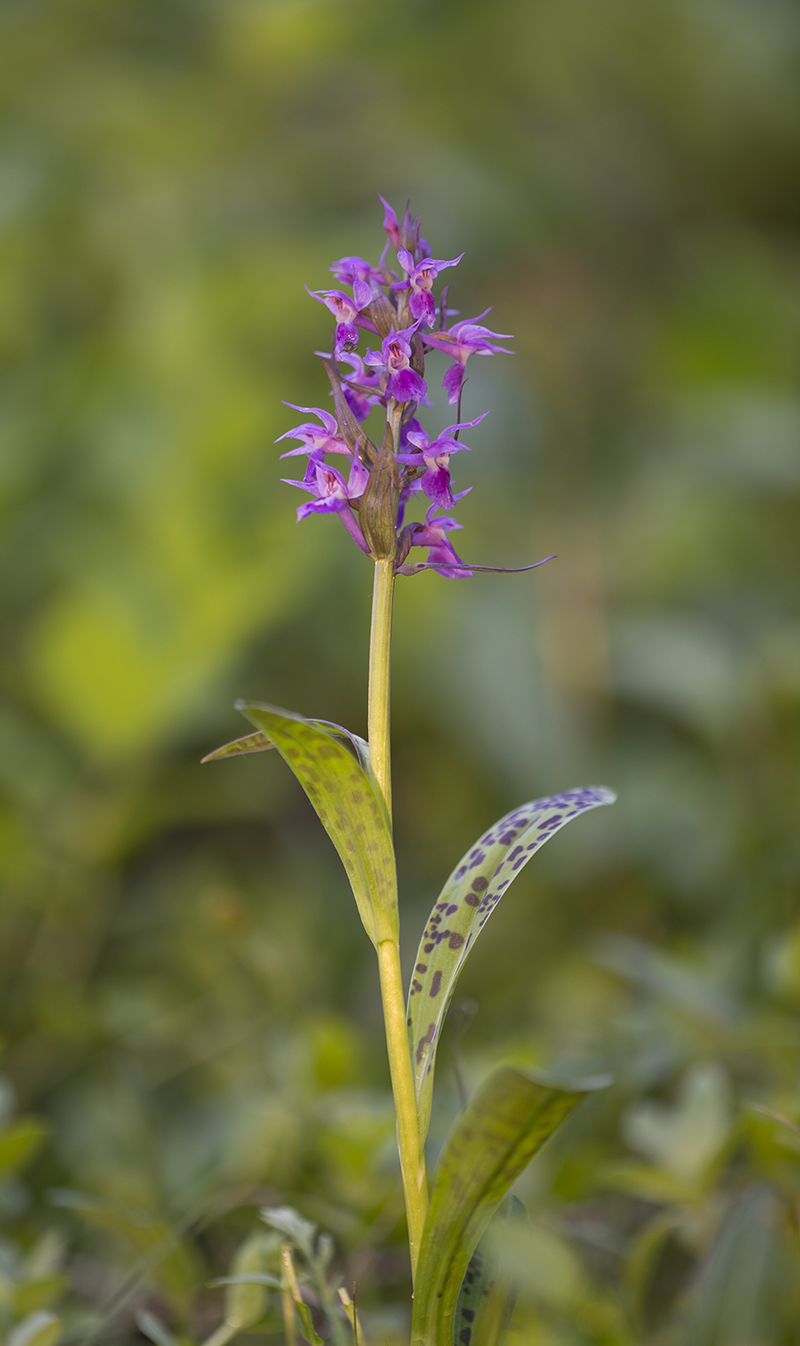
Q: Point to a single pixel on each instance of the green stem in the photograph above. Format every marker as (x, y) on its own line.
(225, 1332)
(412, 1159)
(380, 640)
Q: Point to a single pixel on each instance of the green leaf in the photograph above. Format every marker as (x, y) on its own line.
(307, 1324)
(349, 803)
(291, 1285)
(163, 1254)
(645, 1182)
(250, 743)
(686, 1139)
(748, 1278)
(462, 909)
(38, 1329)
(246, 1297)
(542, 1264)
(152, 1327)
(19, 1143)
(39, 1294)
(253, 1278)
(641, 1266)
(499, 1132)
(287, 1221)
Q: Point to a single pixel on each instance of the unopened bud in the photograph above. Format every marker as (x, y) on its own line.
(409, 229)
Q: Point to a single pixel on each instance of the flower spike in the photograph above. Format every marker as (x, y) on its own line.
(409, 319)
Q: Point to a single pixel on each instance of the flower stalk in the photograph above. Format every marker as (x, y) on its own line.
(412, 1160)
(379, 673)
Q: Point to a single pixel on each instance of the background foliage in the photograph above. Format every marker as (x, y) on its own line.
(188, 1000)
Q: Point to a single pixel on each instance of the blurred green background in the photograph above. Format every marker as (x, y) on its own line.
(188, 999)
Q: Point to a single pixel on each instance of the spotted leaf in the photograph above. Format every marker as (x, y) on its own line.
(498, 1133)
(486, 1299)
(472, 1300)
(349, 803)
(464, 906)
(250, 743)
(260, 742)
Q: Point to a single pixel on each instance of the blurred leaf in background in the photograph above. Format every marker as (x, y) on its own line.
(187, 996)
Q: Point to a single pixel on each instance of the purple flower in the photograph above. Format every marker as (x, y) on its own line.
(464, 339)
(402, 382)
(345, 310)
(315, 440)
(421, 276)
(348, 270)
(333, 494)
(441, 556)
(435, 454)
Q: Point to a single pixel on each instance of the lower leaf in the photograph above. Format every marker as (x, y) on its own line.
(506, 1123)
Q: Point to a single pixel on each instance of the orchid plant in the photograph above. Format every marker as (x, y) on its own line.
(372, 485)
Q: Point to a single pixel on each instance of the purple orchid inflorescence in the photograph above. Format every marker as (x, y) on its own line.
(400, 311)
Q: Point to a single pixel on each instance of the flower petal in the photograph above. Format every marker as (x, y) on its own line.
(452, 382)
